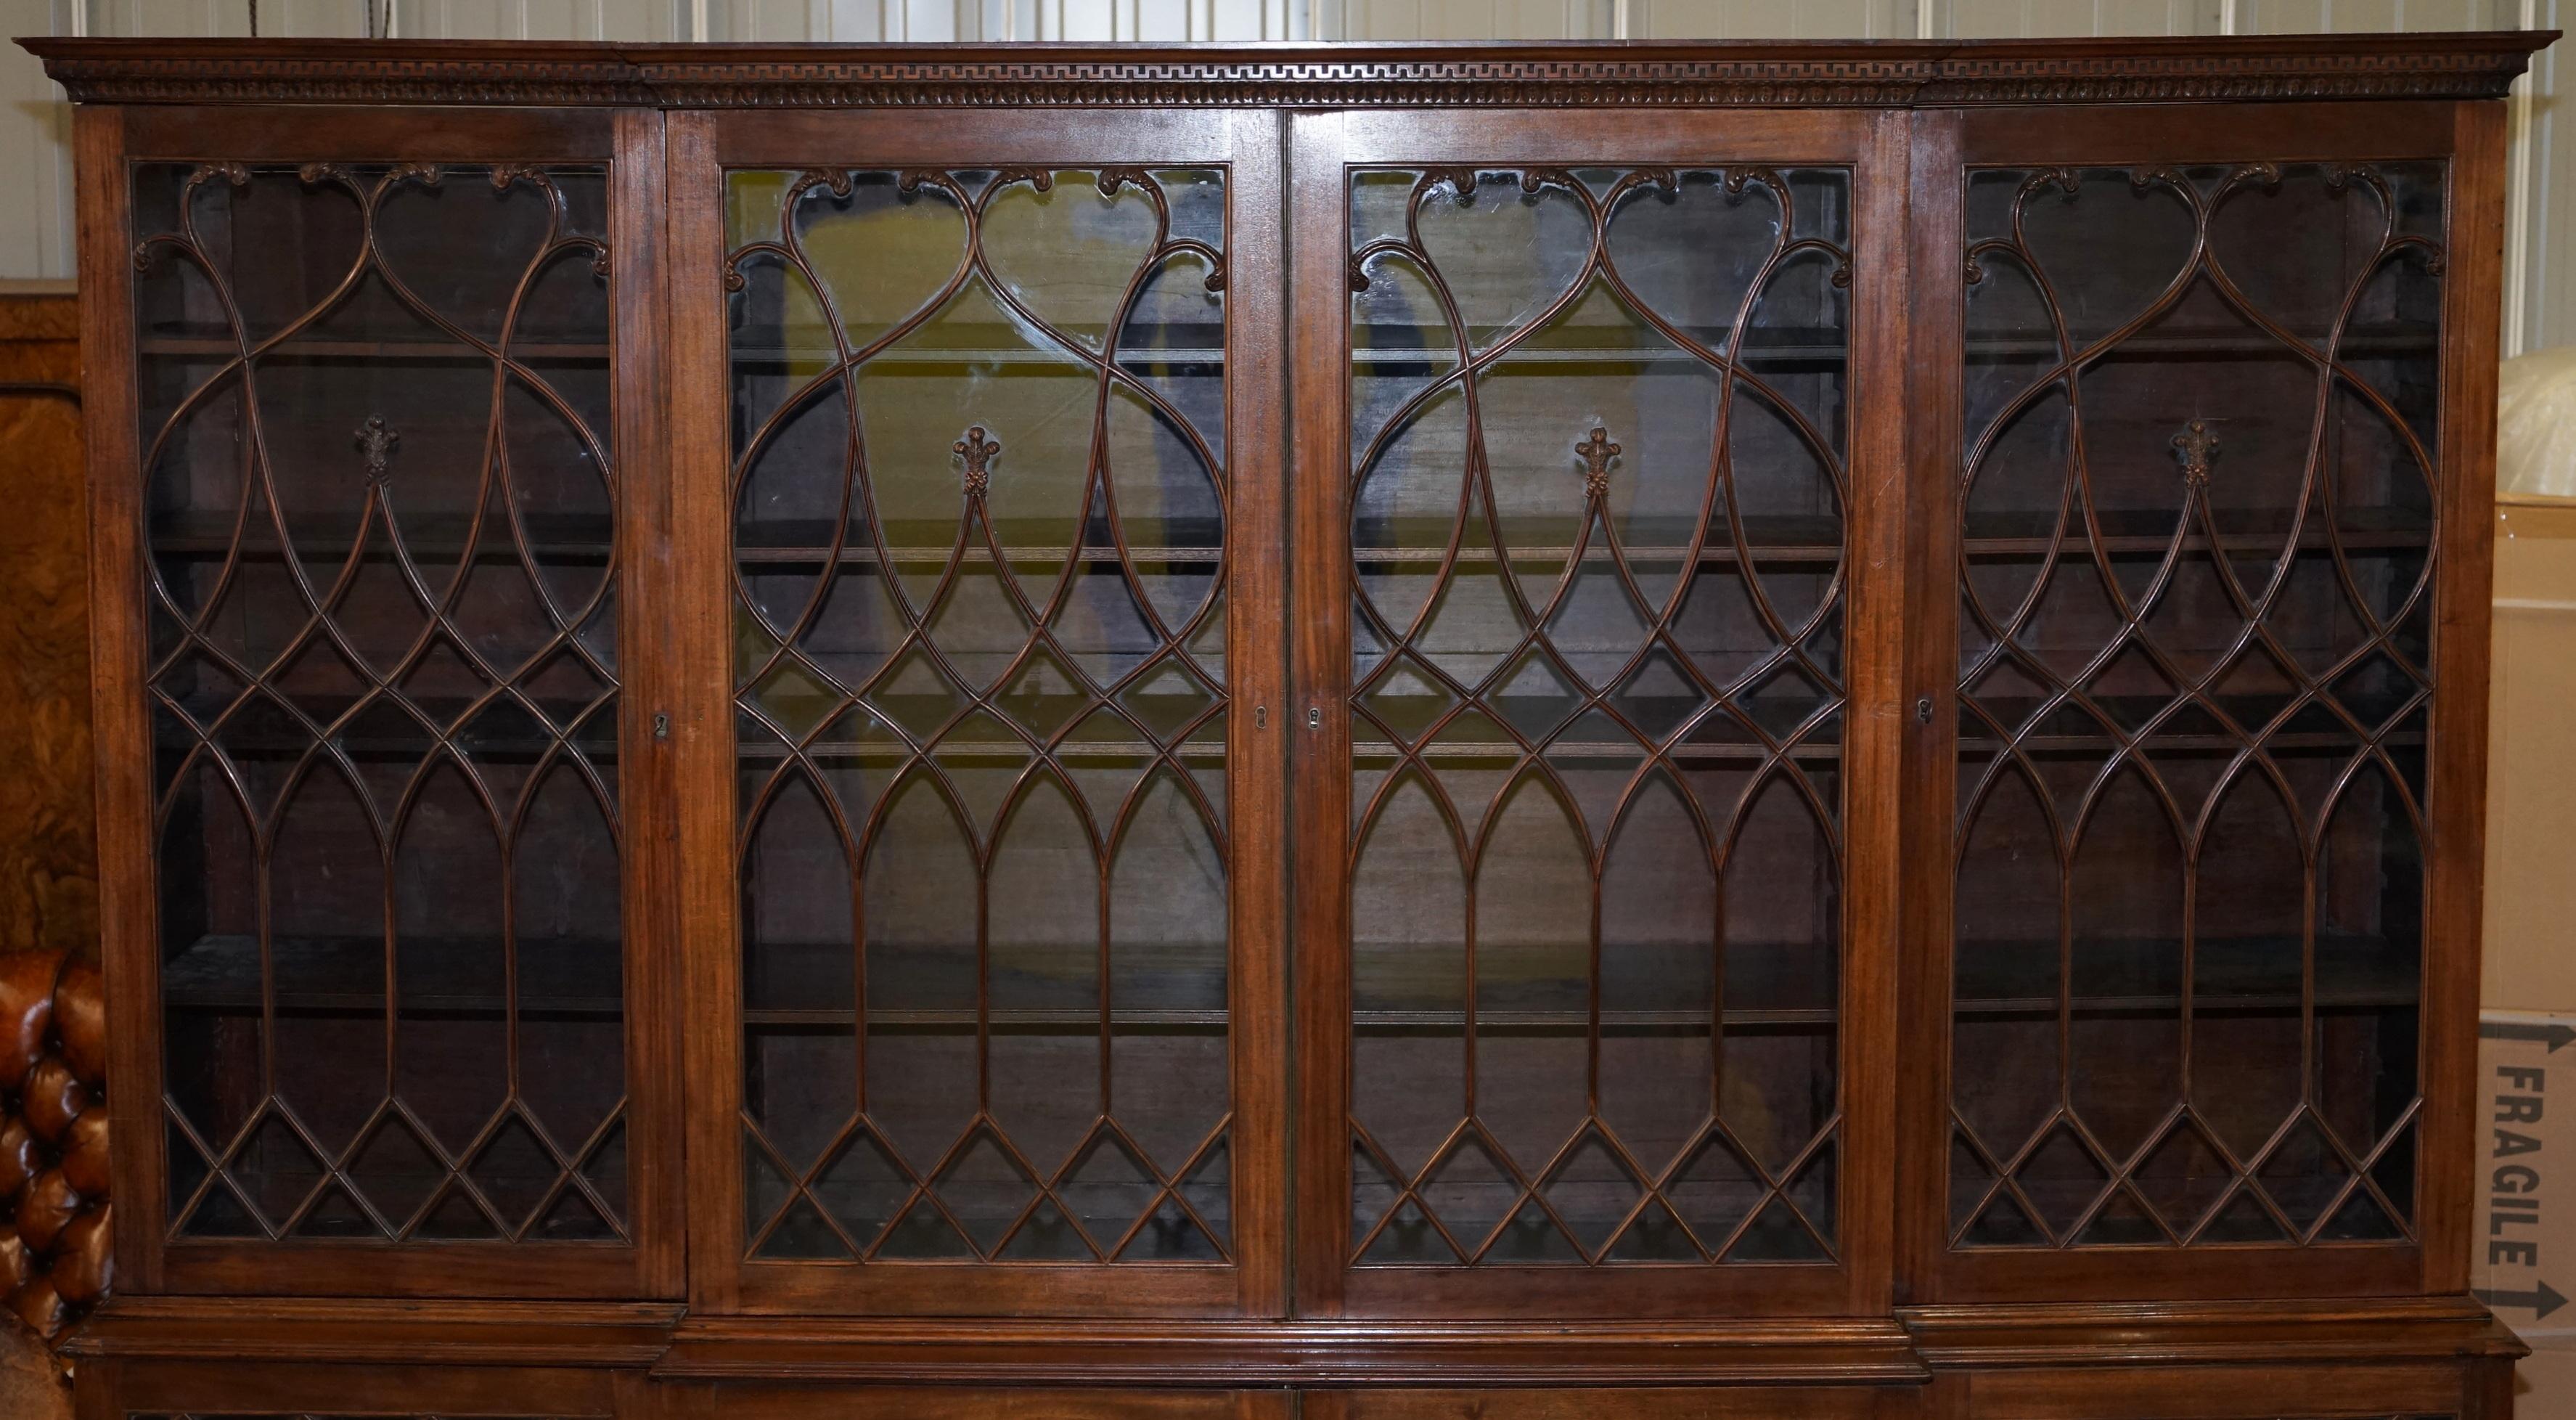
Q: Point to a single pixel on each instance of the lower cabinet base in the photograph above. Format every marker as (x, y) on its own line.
(206, 1390)
(166, 1359)
(2467, 1390)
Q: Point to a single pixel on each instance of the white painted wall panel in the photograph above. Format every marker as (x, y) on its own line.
(2352, 16)
(2542, 263)
(2016, 19)
(1772, 19)
(35, 154)
(531, 19)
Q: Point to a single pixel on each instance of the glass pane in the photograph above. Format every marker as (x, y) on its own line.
(979, 531)
(2195, 678)
(380, 510)
(1599, 445)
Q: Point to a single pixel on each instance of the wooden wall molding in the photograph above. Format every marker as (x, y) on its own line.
(1879, 74)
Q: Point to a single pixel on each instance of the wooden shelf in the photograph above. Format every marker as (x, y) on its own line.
(597, 742)
(436, 976)
(2359, 341)
(2143, 974)
(1815, 344)
(1210, 359)
(1050, 1022)
(804, 983)
(2133, 709)
(1560, 1022)
(431, 540)
(1364, 356)
(1072, 751)
(862, 555)
(2026, 535)
(1718, 552)
(1140, 344)
(316, 348)
(1362, 750)
(1764, 983)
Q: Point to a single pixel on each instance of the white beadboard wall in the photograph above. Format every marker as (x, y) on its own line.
(35, 234)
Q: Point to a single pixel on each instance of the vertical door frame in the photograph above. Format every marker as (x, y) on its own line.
(1873, 146)
(109, 141)
(1957, 143)
(128, 914)
(1935, 301)
(2447, 1144)
(1243, 142)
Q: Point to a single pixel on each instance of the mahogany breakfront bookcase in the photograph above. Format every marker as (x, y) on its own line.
(1637, 730)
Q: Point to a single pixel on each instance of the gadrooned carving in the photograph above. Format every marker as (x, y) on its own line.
(1662, 76)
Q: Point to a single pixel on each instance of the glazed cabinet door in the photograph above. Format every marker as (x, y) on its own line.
(1591, 615)
(367, 468)
(2208, 569)
(980, 538)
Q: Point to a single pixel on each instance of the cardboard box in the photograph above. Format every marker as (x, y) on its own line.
(2523, 1242)
(2524, 1238)
(2531, 763)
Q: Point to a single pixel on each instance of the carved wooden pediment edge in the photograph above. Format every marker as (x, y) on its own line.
(1651, 75)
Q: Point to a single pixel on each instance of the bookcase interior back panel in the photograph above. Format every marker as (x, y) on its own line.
(1599, 445)
(2195, 693)
(980, 645)
(383, 682)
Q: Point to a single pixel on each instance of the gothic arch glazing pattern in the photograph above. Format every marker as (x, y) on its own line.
(980, 644)
(2195, 697)
(1599, 475)
(382, 591)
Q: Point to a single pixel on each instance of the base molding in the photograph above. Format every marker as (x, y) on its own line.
(585, 1335)
(1291, 1353)
(1909, 1348)
(2206, 1333)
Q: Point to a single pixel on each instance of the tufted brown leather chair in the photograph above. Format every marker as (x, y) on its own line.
(54, 1208)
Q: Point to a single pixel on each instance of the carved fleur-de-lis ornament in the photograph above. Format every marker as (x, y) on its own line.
(2194, 446)
(977, 453)
(376, 439)
(1596, 453)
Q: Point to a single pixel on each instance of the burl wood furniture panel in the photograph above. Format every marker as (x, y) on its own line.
(1419, 731)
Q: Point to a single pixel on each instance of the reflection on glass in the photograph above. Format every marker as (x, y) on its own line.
(2194, 686)
(979, 544)
(1598, 469)
(380, 503)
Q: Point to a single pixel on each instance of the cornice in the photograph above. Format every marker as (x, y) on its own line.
(1874, 74)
